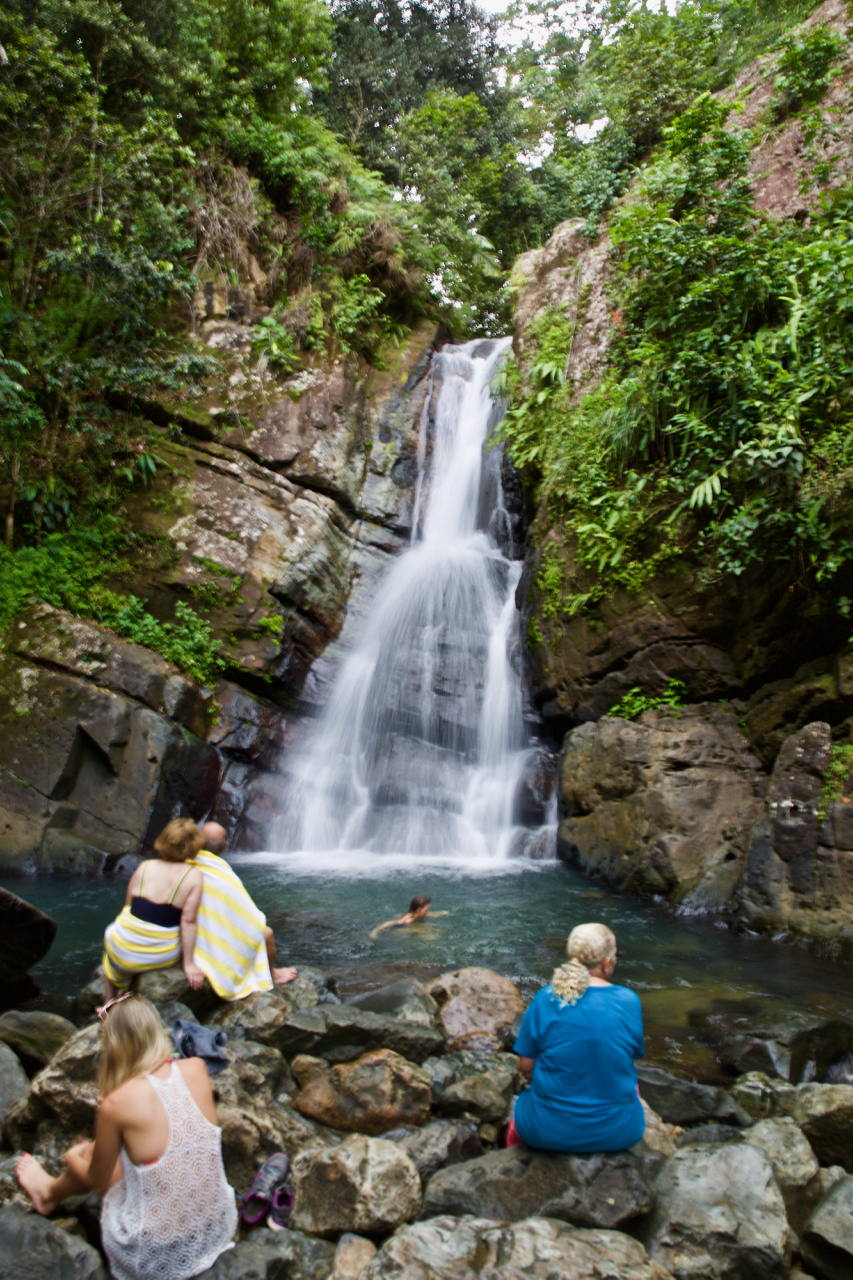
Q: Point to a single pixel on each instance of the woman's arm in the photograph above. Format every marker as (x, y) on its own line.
(189, 929)
(434, 914)
(94, 1164)
(387, 925)
(525, 1066)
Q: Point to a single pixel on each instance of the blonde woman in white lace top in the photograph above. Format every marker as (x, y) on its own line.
(156, 1130)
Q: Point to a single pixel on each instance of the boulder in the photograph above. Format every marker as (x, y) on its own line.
(253, 1126)
(484, 1097)
(538, 1249)
(67, 1088)
(351, 1256)
(33, 1248)
(26, 936)
(364, 1185)
(719, 1215)
(684, 1102)
(35, 1036)
(270, 1255)
(824, 1112)
(475, 1001)
(796, 878)
(437, 1144)
(664, 805)
(258, 1017)
(602, 1190)
(161, 986)
(452, 1068)
(763, 1097)
(301, 993)
(306, 1069)
(92, 773)
(275, 1072)
(815, 1050)
(741, 1054)
(13, 1080)
(406, 999)
(659, 1136)
(340, 1033)
(794, 1163)
(372, 1094)
(826, 1243)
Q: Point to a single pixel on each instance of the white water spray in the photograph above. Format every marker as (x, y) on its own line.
(421, 748)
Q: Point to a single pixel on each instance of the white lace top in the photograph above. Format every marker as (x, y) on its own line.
(171, 1220)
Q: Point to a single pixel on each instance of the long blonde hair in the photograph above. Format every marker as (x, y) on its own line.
(133, 1043)
(587, 946)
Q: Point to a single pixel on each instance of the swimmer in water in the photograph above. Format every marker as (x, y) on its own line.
(419, 909)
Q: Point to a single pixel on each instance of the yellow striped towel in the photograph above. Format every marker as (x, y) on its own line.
(134, 946)
(230, 946)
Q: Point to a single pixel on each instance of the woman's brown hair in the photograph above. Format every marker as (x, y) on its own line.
(179, 841)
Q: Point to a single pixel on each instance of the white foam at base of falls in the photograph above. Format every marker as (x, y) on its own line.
(420, 751)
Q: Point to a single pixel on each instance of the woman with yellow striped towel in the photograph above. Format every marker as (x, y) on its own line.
(159, 922)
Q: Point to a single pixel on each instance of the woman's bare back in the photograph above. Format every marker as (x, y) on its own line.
(160, 881)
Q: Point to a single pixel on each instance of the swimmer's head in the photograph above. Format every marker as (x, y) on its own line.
(419, 906)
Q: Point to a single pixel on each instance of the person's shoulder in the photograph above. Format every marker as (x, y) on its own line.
(625, 994)
(125, 1099)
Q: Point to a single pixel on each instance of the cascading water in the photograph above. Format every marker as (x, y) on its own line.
(422, 745)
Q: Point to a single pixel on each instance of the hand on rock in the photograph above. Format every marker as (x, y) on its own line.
(194, 976)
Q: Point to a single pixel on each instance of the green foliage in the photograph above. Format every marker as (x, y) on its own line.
(838, 780)
(804, 68)
(723, 428)
(636, 701)
(272, 625)
(68, 571)
(274, 342)
(355, 306)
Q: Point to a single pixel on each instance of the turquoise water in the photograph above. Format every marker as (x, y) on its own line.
(692, 973)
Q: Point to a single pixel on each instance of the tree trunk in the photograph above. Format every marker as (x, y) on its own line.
(14, 472)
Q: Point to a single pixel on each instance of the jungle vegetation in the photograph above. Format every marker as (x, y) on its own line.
(384, 162)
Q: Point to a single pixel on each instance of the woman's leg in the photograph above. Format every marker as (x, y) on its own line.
(279, 976)
(48, 1193)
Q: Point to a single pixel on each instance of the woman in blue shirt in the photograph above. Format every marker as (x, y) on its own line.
(577, 1044)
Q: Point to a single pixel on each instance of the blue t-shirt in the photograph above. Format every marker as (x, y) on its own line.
(583, 1094)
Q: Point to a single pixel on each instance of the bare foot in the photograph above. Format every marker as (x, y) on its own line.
(37, 1183)
(280, 976)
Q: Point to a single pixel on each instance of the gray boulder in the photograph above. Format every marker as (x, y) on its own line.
(258, 1017)
(827, 1239)
(437, 1144)
(406, 999)
(364, 1185)
(13, 1081)
(719, 1215)
(275, 1072)
(340, 1033)
(163, 985)
(268, 1255)
(601, 1190)
(824, 1112)
(685, 1102)
(741, 1054)
(32, 1248)
(795, 1164)
(26, 936)
(484, 1097)
(35, 1036)
(451, 1068)
(538, 1249)
(762, 1096)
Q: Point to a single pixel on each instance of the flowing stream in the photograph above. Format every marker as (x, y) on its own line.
(422, 746)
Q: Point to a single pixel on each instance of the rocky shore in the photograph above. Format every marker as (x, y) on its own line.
(391, 1107)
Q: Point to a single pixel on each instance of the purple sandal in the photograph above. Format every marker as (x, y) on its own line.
(270, 1177)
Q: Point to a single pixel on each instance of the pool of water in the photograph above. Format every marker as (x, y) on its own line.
(695, 977)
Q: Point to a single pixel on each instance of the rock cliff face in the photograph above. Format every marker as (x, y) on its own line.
(686, 807)
(270, 524)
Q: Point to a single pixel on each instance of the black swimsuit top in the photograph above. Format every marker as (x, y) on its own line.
(161, 913)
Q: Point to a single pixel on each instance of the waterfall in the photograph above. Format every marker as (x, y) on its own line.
(422, 746)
